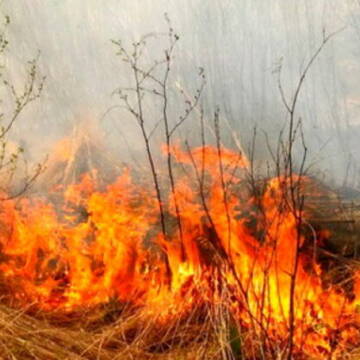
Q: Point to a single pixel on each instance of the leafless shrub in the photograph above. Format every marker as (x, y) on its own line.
(153, 81)
(18, 98)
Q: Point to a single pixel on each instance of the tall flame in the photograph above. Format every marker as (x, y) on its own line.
(93, 244)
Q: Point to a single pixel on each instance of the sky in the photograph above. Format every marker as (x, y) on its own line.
(239, 43)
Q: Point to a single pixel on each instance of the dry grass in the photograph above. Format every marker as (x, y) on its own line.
(94, 335)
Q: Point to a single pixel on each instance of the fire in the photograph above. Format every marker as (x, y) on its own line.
(98, 243)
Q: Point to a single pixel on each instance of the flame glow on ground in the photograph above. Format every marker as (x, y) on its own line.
(85, 244)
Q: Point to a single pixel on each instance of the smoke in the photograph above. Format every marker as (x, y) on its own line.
(239, 43)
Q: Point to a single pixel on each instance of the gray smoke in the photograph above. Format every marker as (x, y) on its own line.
(239, 44)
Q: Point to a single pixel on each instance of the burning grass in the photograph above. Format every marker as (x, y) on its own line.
(95, 277)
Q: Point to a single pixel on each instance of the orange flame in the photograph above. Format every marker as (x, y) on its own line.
(100, 244)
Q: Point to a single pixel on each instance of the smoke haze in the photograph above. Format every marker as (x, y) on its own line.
(239, 43)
